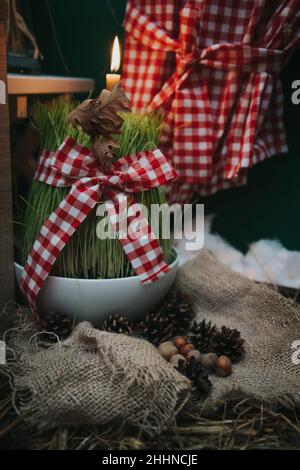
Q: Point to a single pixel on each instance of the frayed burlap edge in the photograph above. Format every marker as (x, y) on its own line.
(91, 378)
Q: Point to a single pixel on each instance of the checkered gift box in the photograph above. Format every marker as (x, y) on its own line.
(212, 66)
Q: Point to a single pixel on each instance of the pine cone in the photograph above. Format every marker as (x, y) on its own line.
(198, 375)
(117, 324)
(179, 311)
(202, 334)
(155, 327)
(57, 323)
(229, 343)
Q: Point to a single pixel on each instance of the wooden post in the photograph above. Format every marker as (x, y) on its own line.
(6, 237)
(21, 106)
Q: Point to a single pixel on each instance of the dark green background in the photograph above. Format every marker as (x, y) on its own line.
(269, 206)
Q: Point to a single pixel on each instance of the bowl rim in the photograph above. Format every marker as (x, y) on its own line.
(120, 279)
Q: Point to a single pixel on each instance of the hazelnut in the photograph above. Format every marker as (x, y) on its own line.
(187, 348)
(223, 366)
(195, 354)
(167, 349)
(179, 341)
(209, 360)
(174, 361)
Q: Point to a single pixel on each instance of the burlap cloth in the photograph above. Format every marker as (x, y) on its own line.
(269, 322)
(94, 378)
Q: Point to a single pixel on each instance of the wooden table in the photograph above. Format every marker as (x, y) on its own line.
(21, 86)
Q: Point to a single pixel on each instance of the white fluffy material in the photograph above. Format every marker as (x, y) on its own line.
(266, 260)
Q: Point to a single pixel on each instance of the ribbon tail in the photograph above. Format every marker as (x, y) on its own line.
(137, 238)
(54, 235)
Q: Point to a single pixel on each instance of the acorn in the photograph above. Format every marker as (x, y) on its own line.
(223, 366)
(167, 350)
(186, 349)
(208, 360)
(174, 361)
(195, 354)
(180, 341)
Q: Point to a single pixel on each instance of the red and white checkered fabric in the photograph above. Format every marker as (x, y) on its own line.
(212, 66)
(74, 165)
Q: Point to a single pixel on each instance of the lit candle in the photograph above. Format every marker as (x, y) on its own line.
(113, 78)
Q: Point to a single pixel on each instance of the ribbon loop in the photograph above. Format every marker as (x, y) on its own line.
(74, 165)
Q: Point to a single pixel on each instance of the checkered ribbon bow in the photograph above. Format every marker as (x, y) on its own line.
(213, 67)
(73, 165)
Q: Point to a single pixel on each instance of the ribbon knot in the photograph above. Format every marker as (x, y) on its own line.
(187, 60)
(74, 166)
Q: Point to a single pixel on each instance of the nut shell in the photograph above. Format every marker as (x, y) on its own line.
(223, 366)
(174, 361)
(186, 349)
(209, 360)
(167, 349)
(179, 341)
(194, 353)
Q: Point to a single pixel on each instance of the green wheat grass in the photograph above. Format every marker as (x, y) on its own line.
(85, 255)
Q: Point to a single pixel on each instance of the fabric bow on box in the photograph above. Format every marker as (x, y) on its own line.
(75, 166)
(213, 67)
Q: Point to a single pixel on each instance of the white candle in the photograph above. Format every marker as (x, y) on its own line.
(113, 78)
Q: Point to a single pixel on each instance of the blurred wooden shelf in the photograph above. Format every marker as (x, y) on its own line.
(19, 84)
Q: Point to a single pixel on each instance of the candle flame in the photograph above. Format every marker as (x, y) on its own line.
(116, 56)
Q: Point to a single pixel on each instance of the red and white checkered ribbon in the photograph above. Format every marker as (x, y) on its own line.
(213, 67)
(74, 165)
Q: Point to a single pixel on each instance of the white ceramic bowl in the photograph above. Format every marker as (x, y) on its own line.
(94, 299)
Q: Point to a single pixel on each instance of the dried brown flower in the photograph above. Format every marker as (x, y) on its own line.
(100, 116)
